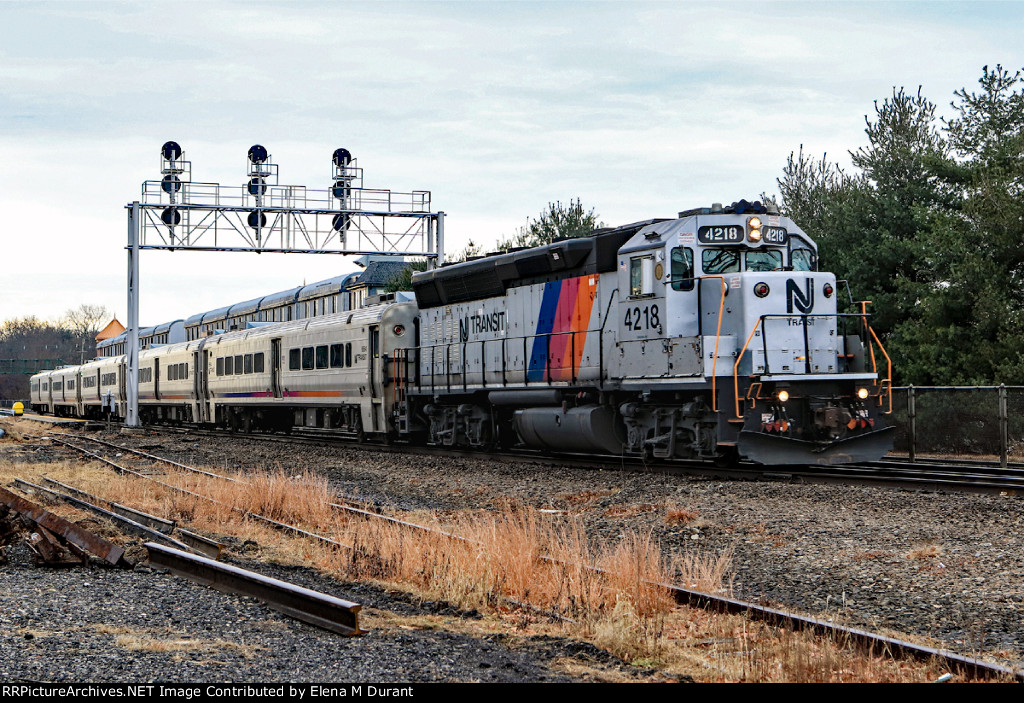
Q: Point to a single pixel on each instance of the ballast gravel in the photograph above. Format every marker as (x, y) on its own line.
(948, 567)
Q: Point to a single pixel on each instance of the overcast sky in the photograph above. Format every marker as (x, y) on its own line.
(639, 109)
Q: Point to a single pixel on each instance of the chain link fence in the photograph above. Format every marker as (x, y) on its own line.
(970, 422)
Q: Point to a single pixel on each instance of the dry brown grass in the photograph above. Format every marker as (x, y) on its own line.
(680, 516)
(928, 551)
(499, 562)
(147, 643)
(15, 429)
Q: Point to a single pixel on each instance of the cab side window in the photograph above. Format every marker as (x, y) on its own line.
(803, 259)
(641, 276)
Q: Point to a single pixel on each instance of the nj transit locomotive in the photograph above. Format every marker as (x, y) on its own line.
(712, 335)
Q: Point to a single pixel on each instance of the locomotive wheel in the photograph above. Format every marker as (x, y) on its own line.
(729, 458)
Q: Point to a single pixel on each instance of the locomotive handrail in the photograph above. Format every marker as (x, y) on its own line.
(718, 335)
(888, 380)
(548, 379)
(807, 352)
(736, 367)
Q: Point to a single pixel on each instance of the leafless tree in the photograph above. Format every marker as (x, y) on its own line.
(85, 320)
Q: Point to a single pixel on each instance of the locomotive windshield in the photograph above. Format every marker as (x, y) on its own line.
(718, 261)
(802, 259)
(764, 260)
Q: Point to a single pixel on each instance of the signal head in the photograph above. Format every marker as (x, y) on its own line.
(170, 151)
(170, 216)
(170, 183)
(342, 157)
(257, 153)
(256, 219)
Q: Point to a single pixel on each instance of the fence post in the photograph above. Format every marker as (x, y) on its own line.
(1003, 445)
(912, 420)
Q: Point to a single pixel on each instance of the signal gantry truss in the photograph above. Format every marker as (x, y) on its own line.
(265, 216)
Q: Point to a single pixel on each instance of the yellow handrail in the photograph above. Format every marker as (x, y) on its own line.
(718, 336)
(888, 362)
(736, 367)
(864, 319)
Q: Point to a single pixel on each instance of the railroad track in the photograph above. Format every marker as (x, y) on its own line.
(948, 475)
(872, 642)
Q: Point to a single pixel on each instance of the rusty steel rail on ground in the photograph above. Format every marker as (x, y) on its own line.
(109, 552)
(304, 604)
(873, 642)
(82, 501)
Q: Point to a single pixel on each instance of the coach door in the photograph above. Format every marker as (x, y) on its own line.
(198, 372)
(376, 374)
(275, 367)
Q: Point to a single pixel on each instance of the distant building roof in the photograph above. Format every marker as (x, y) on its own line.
(111, 330)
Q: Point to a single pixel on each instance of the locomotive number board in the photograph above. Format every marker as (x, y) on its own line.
(720, 234)
(734, 234)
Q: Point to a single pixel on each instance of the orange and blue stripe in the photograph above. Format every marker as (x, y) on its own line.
(562, 326)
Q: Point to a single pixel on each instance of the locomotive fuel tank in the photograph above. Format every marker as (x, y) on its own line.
(587, 429)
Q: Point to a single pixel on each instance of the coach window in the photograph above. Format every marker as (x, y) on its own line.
(307, 358)
(172, 372)
(220, 366)
(348, 354)
(682, 268)
(763, 260)
(293, 359)
(257, 362)
(715, 261)
(238, 363)
(321, 357)
(337, 356)
(248, 363)
(229, 365)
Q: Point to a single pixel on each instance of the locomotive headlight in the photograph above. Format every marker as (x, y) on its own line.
(399, 330)
(782, 395)
(828, 290)
(754, 229)
(761, 290)
(862, 393)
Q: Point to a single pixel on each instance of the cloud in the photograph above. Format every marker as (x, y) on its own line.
(497, 108)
